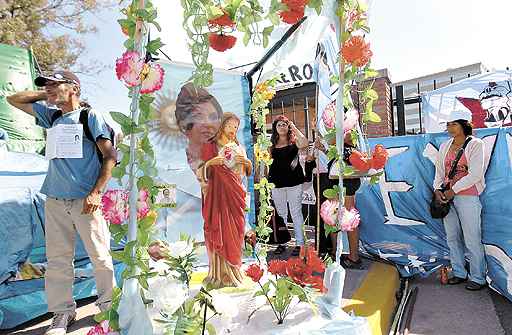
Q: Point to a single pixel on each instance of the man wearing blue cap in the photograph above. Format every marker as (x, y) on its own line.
(73, 187)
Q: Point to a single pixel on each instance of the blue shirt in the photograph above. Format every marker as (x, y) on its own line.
(72, 178)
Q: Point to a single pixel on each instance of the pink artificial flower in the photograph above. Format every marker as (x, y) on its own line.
(129, 67)
(354, 16)
(142, 204)
(115, 206)
(153, 80)
(132, 70)
(350, 219)
(351, 120)
(329, 117)
(102, 329)
(329, 211)
(143, 194)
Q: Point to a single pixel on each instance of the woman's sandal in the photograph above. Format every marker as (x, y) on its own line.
(280, 249)
(295, 251)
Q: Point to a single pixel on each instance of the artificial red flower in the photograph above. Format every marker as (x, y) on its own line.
(356, 51)
(359, 161)
(298, 271)
(291, 16)
(313, 261)
(223, 20)
(277, 267)
(221, 42)
(295, 11)
(379, 157)
(254, 272)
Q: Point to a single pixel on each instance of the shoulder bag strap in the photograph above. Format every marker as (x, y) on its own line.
(457, 158)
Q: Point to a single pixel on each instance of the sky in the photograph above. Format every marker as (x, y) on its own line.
(410, 38)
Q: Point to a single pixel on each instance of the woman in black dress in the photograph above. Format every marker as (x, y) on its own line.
(287, 174)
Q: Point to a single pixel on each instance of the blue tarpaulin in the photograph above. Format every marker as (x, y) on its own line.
(396, 222)
(22, 239)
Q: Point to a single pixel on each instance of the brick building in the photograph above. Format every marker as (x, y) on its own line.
(299, 105)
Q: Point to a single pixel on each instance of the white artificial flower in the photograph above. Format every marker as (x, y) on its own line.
(159, 266)
(180, 249)
(167, 294)
(224, 304)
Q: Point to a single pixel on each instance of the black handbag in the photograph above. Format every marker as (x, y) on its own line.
(440, 210)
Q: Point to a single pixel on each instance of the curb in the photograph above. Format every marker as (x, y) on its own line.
(375, 298)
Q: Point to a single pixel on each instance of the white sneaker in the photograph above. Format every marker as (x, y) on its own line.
(60, 323)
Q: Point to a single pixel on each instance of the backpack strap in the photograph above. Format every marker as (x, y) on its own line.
(55, 116)
(84, 119)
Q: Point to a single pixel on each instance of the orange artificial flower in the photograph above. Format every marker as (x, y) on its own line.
(356, 51)
(359, 161)
(379, 157)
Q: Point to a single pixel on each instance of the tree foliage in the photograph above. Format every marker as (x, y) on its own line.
(52, 28)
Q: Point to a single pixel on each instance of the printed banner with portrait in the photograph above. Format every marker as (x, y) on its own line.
(188, 118)
(488, 97)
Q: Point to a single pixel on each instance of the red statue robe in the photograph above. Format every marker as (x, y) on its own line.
(223, 210)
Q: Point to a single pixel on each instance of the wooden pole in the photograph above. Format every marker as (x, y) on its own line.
(317, 177)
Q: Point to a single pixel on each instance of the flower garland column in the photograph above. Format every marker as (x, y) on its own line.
(140, 37)
(340, 116)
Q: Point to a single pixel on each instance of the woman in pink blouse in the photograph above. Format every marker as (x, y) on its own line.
(463, 222)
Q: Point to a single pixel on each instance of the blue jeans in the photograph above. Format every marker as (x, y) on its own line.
(463, 227)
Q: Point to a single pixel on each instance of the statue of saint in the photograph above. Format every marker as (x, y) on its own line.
(224, 162)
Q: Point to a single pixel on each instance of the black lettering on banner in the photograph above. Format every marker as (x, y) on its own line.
(309, 74)
(294, 72)
(283, 78)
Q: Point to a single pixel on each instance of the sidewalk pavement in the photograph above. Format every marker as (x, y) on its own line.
(453, 310)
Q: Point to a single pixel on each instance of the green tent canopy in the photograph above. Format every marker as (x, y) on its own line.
(17, 74)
